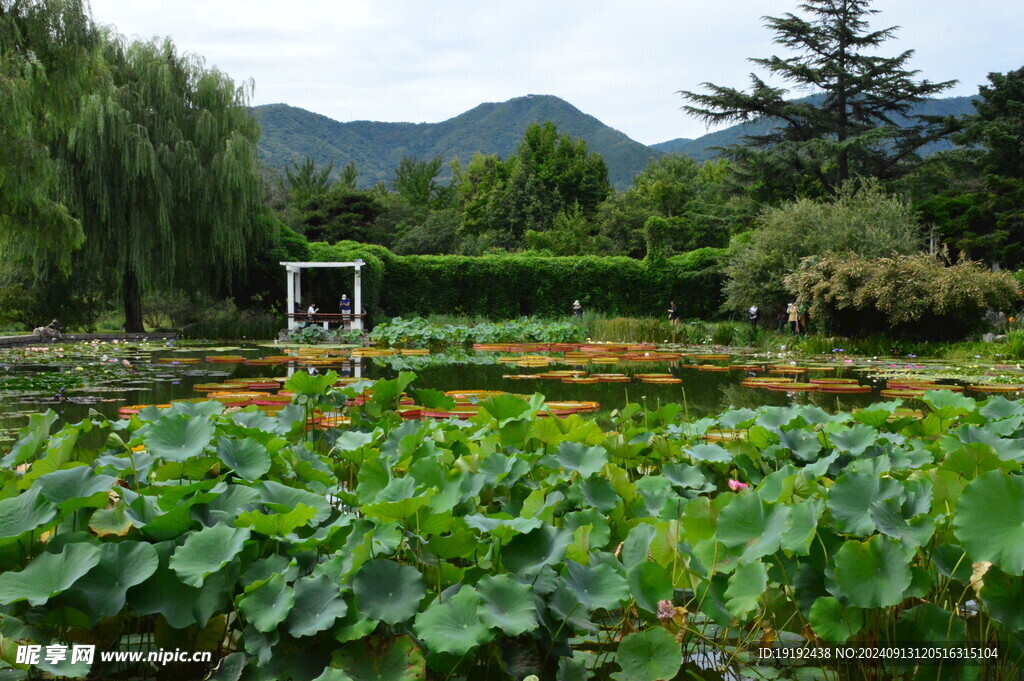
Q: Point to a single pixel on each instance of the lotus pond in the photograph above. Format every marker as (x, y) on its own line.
(437, 525)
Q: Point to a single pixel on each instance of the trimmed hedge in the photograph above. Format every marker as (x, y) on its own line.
(509, 286)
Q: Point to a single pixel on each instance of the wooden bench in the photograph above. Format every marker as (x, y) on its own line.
(326, 318)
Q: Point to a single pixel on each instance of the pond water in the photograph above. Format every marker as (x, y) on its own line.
(73, 378)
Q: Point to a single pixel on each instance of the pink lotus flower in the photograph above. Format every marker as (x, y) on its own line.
(666, 610)
(126, 362)
(736, 485)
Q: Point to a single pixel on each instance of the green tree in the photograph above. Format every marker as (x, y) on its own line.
(305, 180)
(980, 210)
(162, 161)
(867, 222)
(416, 180)
(48, 59)
(697, 201)
(856, 126)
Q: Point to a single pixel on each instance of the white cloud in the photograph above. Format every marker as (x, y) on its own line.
(409, 60)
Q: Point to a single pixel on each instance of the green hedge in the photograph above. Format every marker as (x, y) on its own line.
(508, 286)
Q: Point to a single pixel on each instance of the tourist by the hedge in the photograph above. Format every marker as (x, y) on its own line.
(577, 309)
(752, 314)
(793, 314)
(673, 314)
(802, 319)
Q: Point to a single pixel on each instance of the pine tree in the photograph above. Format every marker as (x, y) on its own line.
(855, 121)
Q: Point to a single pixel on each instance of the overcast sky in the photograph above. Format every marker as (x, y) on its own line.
(619, 60)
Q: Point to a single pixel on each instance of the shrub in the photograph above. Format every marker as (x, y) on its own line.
(867, 222)
(912, 295)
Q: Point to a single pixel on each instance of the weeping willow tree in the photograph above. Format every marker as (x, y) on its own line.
(163, 172)
(48, 60)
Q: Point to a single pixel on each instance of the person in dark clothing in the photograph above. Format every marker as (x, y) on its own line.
(673, 314)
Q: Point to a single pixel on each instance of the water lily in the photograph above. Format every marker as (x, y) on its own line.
(736, 485)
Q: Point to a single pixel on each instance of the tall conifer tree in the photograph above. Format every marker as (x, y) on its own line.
(854, 124)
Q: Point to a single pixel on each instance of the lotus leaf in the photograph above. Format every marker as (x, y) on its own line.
(873, 573)
(177, 437)
(453, 626)
(48, 574)
(318, 604)
(376, 659)
(987, 534)
(206, 552)
(388, 591)
(651, 655)
(122, 565)
(507, 604)
(833, 622)
(247, 457)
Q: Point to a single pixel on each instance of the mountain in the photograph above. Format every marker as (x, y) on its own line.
(701, 148)
(493, 128)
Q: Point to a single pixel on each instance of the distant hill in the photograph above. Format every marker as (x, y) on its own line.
(494, 128)
(701, 148)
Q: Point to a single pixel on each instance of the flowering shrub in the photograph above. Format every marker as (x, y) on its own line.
(911, 294)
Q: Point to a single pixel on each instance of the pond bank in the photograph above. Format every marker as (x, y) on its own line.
(31, 338)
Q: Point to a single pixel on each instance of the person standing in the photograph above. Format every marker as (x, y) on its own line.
(801, 319)
(577, 309)
(793, 315)
(752, 314)
(673, 313)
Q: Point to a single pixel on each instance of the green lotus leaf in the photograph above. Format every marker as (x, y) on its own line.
(388, 591)
(649, 583)
(122, 565)
(751, 527)
(587, 461)
(207, 551)
(268, 605)
(686, 477)
(850, 500)
(503, 526)
(735, 417)
(230, 668)
(651, 655)
(181, 605)
(379, 659)
(998, 407)
(834, 623)
(708, 453)
(276, 524)
(599, 493)
(874, 573)
(595, 586)
(527, 553)
(804, 444)
(25, 512)
(801, 526)
(928, 623)
(746, 585)
(854, 440)
(506, 406)
(876, 415)
(110, 521)
(947, 404)
(318, 604)
(309, 385)
(48, 574)
(77, 487)
(989, 520)
(1003, 596)
(176, 437)
(637, 547)
(507, 604)
(283, 498)
(247, 457)
(453, 626)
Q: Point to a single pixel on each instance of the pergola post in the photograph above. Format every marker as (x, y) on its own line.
(290, 305)
(357, 296)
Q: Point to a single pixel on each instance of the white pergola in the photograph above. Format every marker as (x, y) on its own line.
(293, 271)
